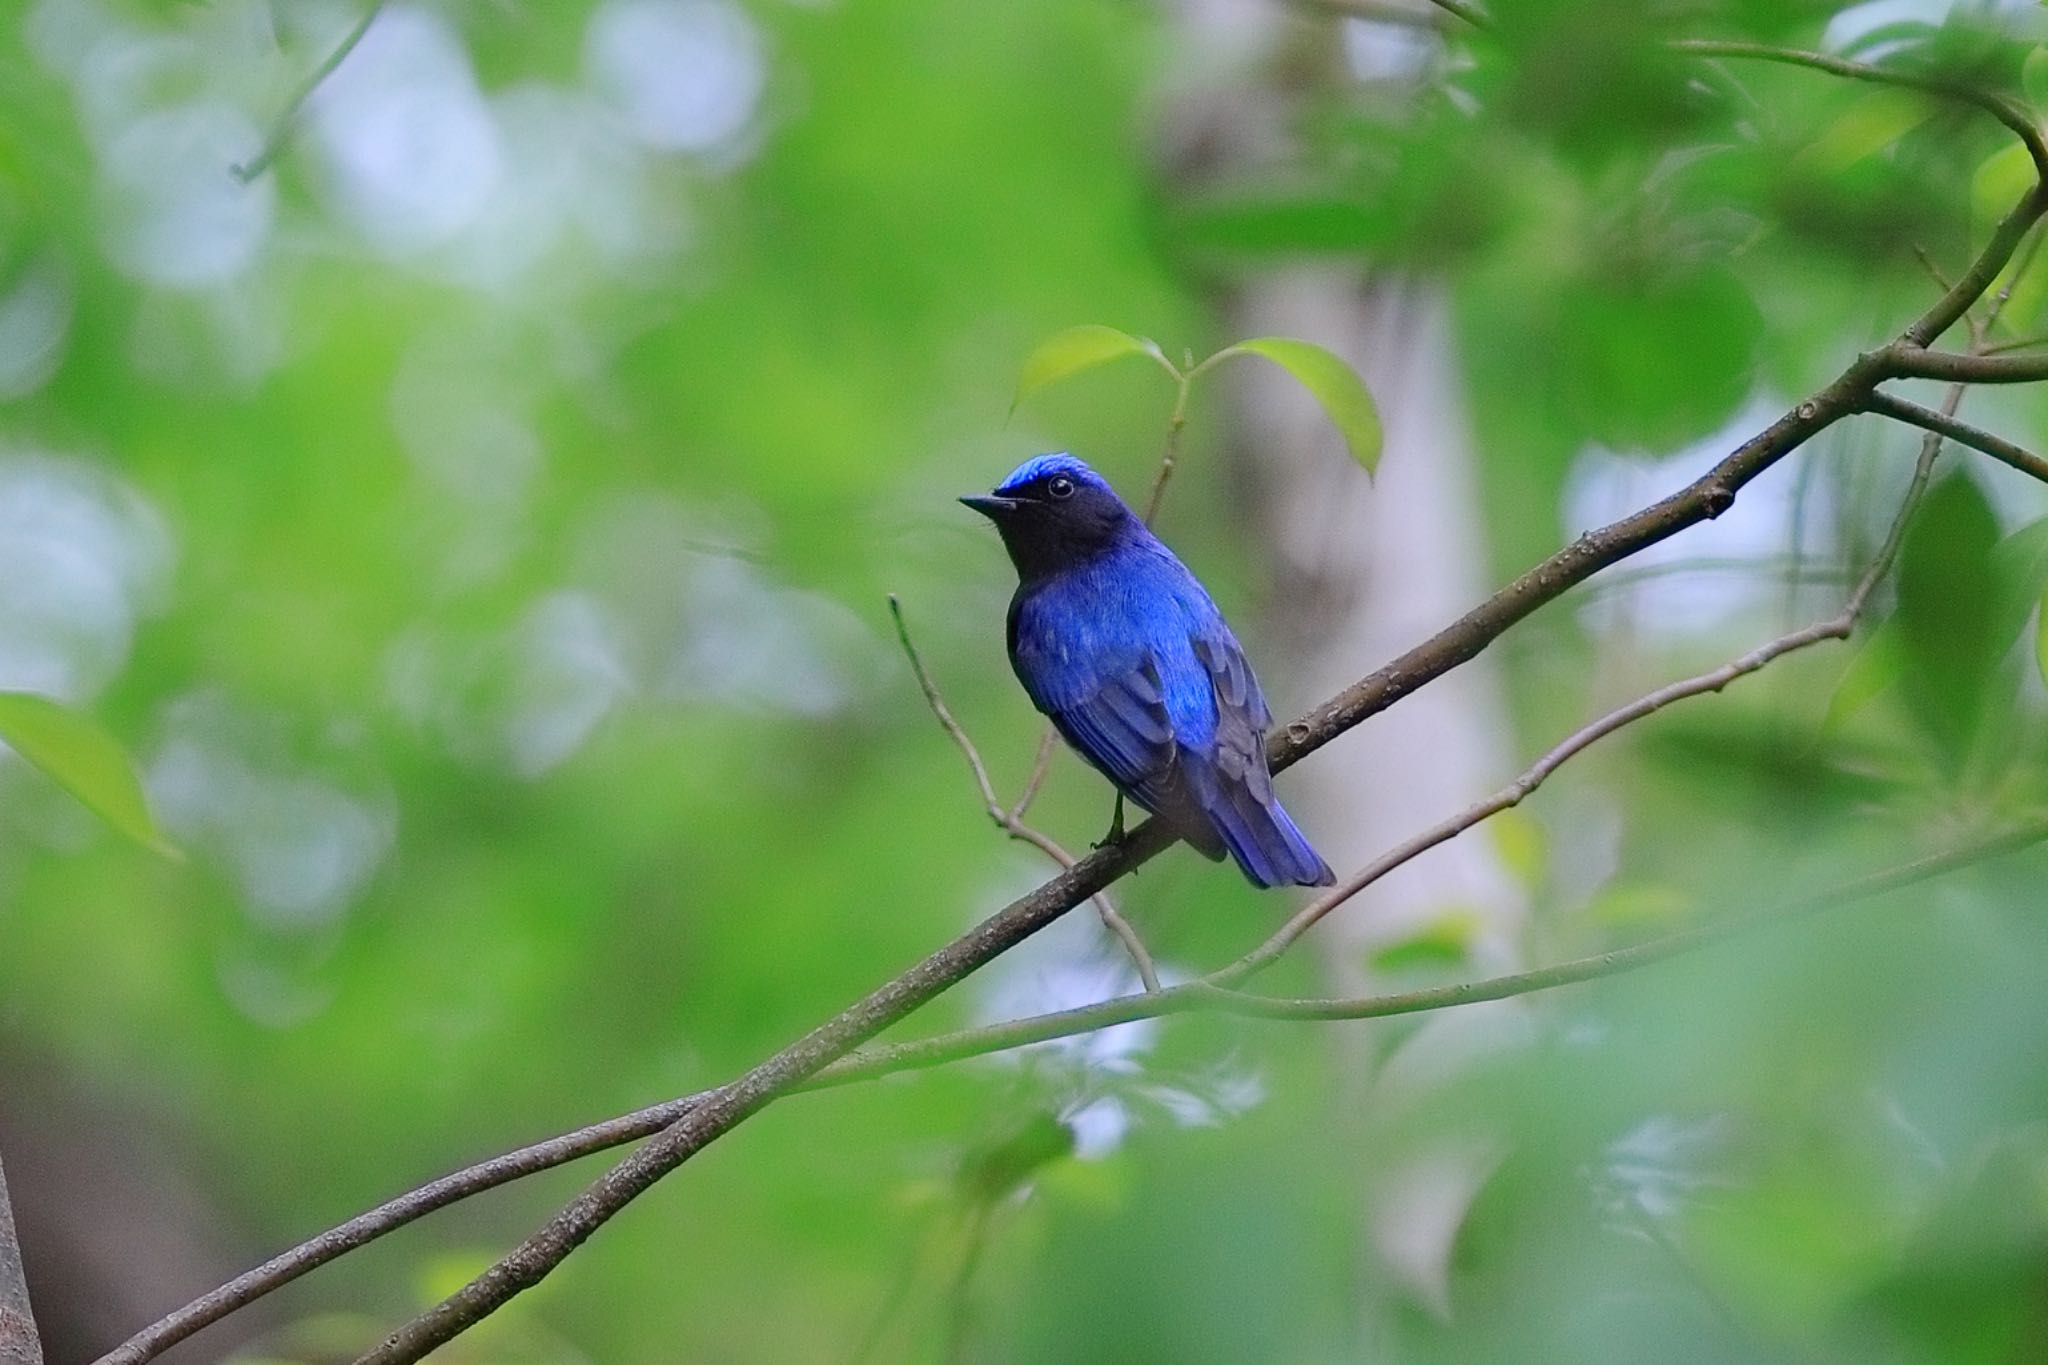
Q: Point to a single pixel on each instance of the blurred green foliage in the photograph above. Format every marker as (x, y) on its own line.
(479, 530)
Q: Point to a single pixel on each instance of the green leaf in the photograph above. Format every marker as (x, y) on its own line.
(1948, 618)
(1445, 941)
(1331, 383)
(84, 760)
(1870, 674)
(993, 1170)
(1066, 353)
(1867, 127)
(1519, 843)
(2000, 180)
(2034, 76)
(2019, 566)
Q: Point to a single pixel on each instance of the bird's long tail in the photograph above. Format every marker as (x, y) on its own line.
(1267, 844)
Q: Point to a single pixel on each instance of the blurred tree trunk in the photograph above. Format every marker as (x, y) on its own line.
(1366, 571)
(1378, 565)
(18, 1342)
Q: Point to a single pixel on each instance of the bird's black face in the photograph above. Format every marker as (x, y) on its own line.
(1054, 519)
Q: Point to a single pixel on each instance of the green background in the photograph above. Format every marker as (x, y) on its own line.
(479, 529)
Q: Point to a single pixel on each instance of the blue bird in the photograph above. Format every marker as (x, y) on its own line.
(1118, 643)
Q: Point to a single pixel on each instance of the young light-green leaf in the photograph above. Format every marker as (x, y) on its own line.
(1331, 383)
(84, 760)
(1868, 126)
(1871, 672)
(1067, 353)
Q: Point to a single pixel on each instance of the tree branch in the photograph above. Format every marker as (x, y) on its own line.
(1915, 363)
(19, 1344)
(1997, 447)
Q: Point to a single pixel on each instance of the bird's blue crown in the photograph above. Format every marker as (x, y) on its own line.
(1044, 466)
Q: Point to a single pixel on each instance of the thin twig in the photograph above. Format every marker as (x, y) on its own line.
(2008, 112)
(1997, 447)
(392, 1214)
(1169, 456)
(1048, 740)
(2027, 255)
(1006, 819)
(1202, 994)
(281, 131)
(2018, 344)
(944, 713)
(1933, 269)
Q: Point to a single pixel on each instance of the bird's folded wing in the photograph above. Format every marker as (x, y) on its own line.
(1122, 727)
(1241, 717)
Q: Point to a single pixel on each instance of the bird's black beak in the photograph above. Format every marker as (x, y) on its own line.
(988, 504)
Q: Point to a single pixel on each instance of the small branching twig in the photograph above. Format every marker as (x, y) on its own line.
(1169, 455)
(1048, 741)
(1933, 268)
(2026, 343)
(1941, 424)
(287, 120)
(1008, 819)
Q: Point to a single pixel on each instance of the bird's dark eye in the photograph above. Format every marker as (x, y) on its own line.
(1060, 486)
